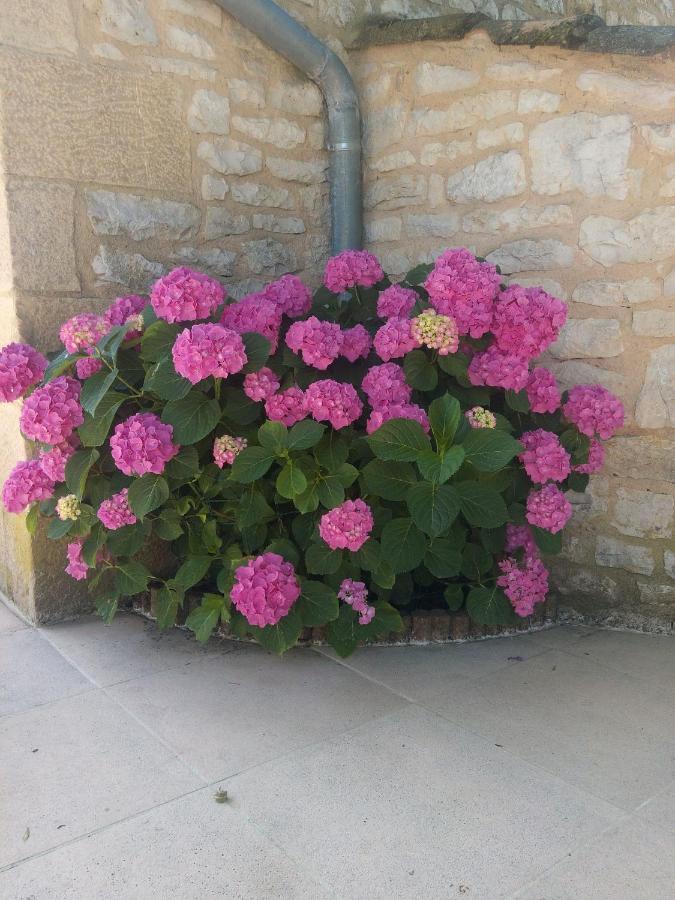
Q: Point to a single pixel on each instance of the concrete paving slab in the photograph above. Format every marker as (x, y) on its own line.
(74, 765)
(131, 646)
(32, 673)
(191, 848)
(413, 806)
(608, 733)
(9, 621)
(238, 710)
(651, 657)
(660, 811)
(633, 860)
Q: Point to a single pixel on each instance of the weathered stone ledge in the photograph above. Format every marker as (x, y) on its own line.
(583, 32)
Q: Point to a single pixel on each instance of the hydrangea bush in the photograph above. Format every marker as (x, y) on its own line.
(328, 460)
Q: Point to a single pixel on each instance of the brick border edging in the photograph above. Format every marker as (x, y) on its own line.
(435, 626)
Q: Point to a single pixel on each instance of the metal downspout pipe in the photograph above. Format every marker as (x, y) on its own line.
(292, 40)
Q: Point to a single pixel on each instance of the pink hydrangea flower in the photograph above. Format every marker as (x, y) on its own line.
(527, 320)
(543, 392)
(142, 443)
(548, 508)
(394, 339)
(356, 343)
(544, 457)
(396, 302)
(435, 331)
(520, 536)
(254, 312)
(53, 461)
(595, 461)
(594, 410)
(497, 369)
(479, 417)
(204, 350)
(351, 268)
(53, 412)
(319, 343)
(77, 567)
(291, 295)
(525, 583)
(287, 406)
(115, 512)
(331, 401)
(20, 367)
(227, 448)
(348, 526)
(386, 384)
(265, 589)
(87, 367)
(25, 484)
(462, 287)
(184, 295)
(397, 411)
(123, 310)
(355, 593)
(83, 332)
(260, 385)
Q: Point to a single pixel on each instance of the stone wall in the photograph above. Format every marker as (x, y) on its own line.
(141, 134)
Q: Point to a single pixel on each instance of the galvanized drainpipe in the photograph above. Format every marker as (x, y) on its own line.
(291, 39)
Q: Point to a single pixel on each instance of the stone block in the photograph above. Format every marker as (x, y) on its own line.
(654, 323)
(128, 21)
(221, 222)
(215, 261)
(278, 224)
(294, 170)
(107, 51)
(57, 103)
(583, 152)
(641, 457)
(443, 225)
(230, 157)
(431, 154)
(534, 100)
(659, 138)
(35, 25)
(647, 237)
(618, 554)
(669, 562)
(214, 188)
(460, 625)
(209, 113)
(393, 161)
(657, 600)
(590, 338)
(520, 218)
(262, 195)
(382, 230)
(574, 371)
(140, 218)
(278, 131)
(383, 127)
(528, 255)
(421, 626)
(248, 93)
(198, 9)
(616, 293)
(521, 71)
(131, 270)
(189, 42)
(614, 89)
(491, 179)
(464, 113)
(41, 227)
(395, 192)
(656, 404)
(513, 133)
(269, 256)
(643, 513)
(182, 67)
(433, 79)
(298, 98)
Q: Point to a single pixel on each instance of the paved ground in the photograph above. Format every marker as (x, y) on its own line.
(537, 767)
